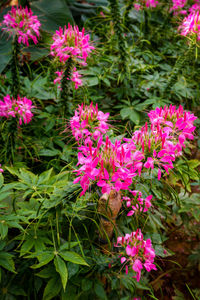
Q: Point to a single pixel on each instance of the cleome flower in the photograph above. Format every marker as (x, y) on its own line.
(88, 121)
(177, 7)
(71, 42)
(22, 23)
(76, 78)
(137, 253)
(19, 108)
(141, 4)
(191, 25)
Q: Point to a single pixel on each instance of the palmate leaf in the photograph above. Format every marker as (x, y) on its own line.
(52, 14)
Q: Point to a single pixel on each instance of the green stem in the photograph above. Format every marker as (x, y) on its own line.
(178, 66)
(66, 81)
(15, 68)
(117, 23)
(126, 18)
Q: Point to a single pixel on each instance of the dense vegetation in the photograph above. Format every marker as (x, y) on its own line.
(99, 177)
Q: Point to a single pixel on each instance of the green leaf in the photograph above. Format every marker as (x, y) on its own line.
(49, 152)
(27, 246)
(3, 229)
(124, 112)
(62, 270)
(72, 257)
(44, 177)
(52, 14)
(99, 290)
(45, 259)
(52, 288)
(86, 284)
(7, 262)
(1, 180)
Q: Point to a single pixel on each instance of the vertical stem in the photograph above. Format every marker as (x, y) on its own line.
(66, 81)
(117, 23)
(178, 66)
(15, 68)
(129, 6)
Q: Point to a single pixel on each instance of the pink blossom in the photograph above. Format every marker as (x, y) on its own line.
(141, 4)
(1, 170)
(177, 7)
(71, 42)
(136, 252)
(191, 25)
(19, 108)
(75, 78)
(88, 121)
(137, 203)
(22, 23)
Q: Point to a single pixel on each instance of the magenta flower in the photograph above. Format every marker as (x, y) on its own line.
(1, 170)
(22, 23)
(75, 78)
(19, 108)
(177, 7)
(142, 4)
(136, 253)
(89, 122)
(136, 203)
(71, 42)
(191, 25)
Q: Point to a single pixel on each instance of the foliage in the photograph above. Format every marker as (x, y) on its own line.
(50, 246)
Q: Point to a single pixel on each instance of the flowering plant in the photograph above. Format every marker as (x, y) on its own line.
(138, 5)
(191, 25)
(135, 252)
(19, 108)
(22, 23)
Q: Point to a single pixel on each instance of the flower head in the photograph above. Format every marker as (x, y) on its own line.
(177, 7)
(141, 4)
(88, 121)
(191, 25)
(137, 253)
(19, 108)
(71, 42)
(22, 23)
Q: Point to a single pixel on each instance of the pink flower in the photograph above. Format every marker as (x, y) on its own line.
(136, 252)
(88, 121)
(1, 170)
(191, 25)
(75, 78)
(141, 4)
(19, 108)
(22, 23)
(71, 42)
(177, 7)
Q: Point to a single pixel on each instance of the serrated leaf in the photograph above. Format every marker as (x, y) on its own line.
(27, 246)
(44, 177)
(72, 257)
(45, 259)
(61, 268)
(7, 262)
(52, 288)
(3, 230)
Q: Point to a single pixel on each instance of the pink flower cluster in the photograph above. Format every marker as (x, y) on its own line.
(19, 108)
(22, 23)
(73, 43)
(195, 7)
(177, 7)
(115, 165)
(191, 25)
(89, 122)
(75, 78)
(141, 4)
(136, 253)
(137, 203)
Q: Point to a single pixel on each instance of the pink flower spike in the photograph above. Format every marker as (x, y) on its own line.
(22, 23)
